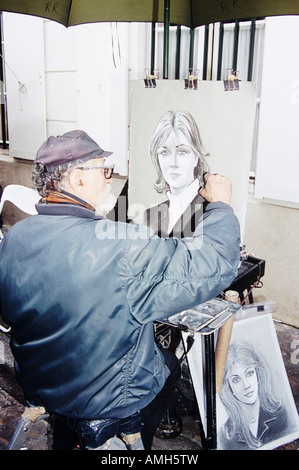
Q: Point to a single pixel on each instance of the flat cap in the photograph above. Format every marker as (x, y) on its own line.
(70, 147)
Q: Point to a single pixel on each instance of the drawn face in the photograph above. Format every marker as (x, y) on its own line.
(177, 161)
(244, 384)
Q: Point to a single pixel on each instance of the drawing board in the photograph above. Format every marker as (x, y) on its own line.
(225, 120)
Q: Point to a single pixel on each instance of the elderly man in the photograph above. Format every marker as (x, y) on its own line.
(81, 293)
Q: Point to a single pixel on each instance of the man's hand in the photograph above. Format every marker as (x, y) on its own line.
(217, 188)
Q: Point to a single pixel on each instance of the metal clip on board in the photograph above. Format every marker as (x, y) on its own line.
(150, 80)
(232, 81)
(192, 81)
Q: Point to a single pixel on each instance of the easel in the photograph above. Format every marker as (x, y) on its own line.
(214, 360)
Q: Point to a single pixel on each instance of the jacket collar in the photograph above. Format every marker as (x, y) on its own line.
(65, 203)
(67, 209)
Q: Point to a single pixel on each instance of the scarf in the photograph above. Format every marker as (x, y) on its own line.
(63, 197)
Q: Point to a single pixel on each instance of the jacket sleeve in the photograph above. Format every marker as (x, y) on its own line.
(166, 276)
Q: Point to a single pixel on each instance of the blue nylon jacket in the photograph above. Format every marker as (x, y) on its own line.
(81, 292)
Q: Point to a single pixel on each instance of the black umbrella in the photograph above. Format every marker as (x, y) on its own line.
(191, 13)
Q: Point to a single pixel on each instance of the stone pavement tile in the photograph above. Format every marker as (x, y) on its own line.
(189, 439)
(10, 413)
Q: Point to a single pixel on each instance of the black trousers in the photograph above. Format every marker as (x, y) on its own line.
(153, 413)
(66, 437)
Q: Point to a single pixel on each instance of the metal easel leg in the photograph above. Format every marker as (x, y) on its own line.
(211, 437)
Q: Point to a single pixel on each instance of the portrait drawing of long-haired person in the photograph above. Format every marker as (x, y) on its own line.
(256, 415)
(179, 158)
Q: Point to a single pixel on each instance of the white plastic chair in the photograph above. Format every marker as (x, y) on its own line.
(22, 197)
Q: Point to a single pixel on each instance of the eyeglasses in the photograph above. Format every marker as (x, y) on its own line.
(108, 171)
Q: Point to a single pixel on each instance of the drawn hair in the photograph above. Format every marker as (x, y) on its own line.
(243, 352)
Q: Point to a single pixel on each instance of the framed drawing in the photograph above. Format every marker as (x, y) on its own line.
(255, 407)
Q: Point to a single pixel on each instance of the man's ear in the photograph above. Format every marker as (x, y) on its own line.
(75, 179)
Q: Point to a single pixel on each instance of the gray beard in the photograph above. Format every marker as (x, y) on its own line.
(106, 202)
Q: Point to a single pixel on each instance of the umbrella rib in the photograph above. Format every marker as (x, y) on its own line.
(69, 13)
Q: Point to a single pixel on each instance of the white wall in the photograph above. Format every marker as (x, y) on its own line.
(25, 86)
(277, 166)
(271, 233)
(75, 78)
(87, 83)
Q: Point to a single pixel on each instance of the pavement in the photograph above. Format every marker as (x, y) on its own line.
(40, 438)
